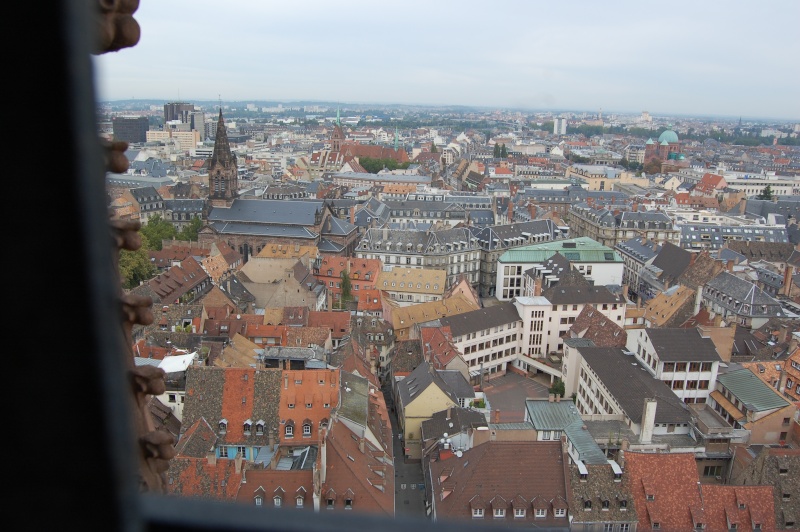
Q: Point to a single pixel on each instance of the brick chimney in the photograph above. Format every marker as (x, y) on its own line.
(497, 415)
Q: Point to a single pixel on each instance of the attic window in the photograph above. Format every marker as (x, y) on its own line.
(348, 504)
(223, 425)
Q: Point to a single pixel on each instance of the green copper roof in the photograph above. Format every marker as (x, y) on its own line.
(752, 391)
(668, 136)
(581, 249)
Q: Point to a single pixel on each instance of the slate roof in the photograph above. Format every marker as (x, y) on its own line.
(631, 384)
(419, 380)
(726, 285)
(767, 251)
(672, 260)
(275, 212)
(502, 236)
(482, 318)
(680, 345)
(457, 383)
(564, 294)
(452, 421)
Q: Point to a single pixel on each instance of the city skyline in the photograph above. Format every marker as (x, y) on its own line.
(620, 57)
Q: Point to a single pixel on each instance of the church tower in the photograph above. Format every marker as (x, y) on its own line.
(337, 137)
(223, 179)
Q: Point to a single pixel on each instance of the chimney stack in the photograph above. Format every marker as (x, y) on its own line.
(497, 415)
(551, 398)
(648, 421)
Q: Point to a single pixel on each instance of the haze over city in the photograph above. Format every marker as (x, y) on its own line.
(687, 58)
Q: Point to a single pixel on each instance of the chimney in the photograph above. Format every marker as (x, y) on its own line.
(212, 458)
(272, 439)
(497, 415)
(361, 444)
(648, 421)
(448, 412)
(558, 397)
(551, 398)
(353, 214)
(786, 289)
(237, 463)
(537, 286)
(729, 265)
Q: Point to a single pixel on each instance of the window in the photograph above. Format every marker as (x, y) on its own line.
(329, 504)
(348, 504)
(545, 434)
(259, 500)
(499, 512)
(223, 452)
(587, 505)
(260, 429)
(519, 512)
(299, 501)
(624, 527)
(608, 527)
(241, 450)
(540, 512)
(605, 505)
(656, 525)
(276, 501)
(477, 512)
(289, 431)
(560, 512)
(247, 427)
(307, 429)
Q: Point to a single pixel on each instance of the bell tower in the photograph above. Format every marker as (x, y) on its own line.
(223, 179)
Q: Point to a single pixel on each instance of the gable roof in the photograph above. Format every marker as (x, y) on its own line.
(679, 344)
(501, 474)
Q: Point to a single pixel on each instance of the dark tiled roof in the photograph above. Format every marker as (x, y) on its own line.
(672, 260)
(678, 344)
(482, 318)
(631, 384)
(503, 475)
(452, 421)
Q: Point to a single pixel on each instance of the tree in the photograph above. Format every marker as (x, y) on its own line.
(653, 167)
(766, 194)
(157, 230)
(496, 153)
(433, 148)
(503, 152)
(346, 289)
(135, 266)
(558, 387)
(189, 232)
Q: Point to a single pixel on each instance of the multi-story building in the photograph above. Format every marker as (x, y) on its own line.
(488, 338)
(683, 359)
(598, 263)
(496, 240)
(361, 273)
(409, 286)
(740, 301)
(611, 227)
(454, 250)
(132, 129)
(747, 402)
(636, 253)
(711, 230)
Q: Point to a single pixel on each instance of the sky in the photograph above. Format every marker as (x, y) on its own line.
(697, 58)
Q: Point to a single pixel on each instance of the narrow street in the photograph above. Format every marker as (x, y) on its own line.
(409, 485)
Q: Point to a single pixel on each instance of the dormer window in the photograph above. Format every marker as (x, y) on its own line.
(587, 505)
(540, 512)
(260, 428)
(246, 427)
(477, 512)
(259, 500)
(520, 512)
(499, 512)
(623, 505)
(299, 502)
(605, 505)
(223, 425)
(348, 504)
(276, 501)
(329, 503)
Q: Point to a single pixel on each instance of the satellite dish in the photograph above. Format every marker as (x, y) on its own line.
(459, 454)
(445, 434)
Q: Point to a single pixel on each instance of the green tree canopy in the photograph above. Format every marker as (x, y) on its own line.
(766, 194)
(374, 166)
(157, 230)
(189, 232)
(135, 267)
(346, 289)
(558, 387)
(503, 151)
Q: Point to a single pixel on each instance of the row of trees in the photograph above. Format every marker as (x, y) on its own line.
(374, 166)
(135, 266)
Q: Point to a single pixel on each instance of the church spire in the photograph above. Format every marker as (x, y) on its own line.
(395, 138)
(338, 123)
(223, 177)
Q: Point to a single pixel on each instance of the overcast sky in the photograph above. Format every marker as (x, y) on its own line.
(699, 57)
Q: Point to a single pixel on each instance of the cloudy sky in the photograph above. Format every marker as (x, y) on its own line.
(676, 57)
